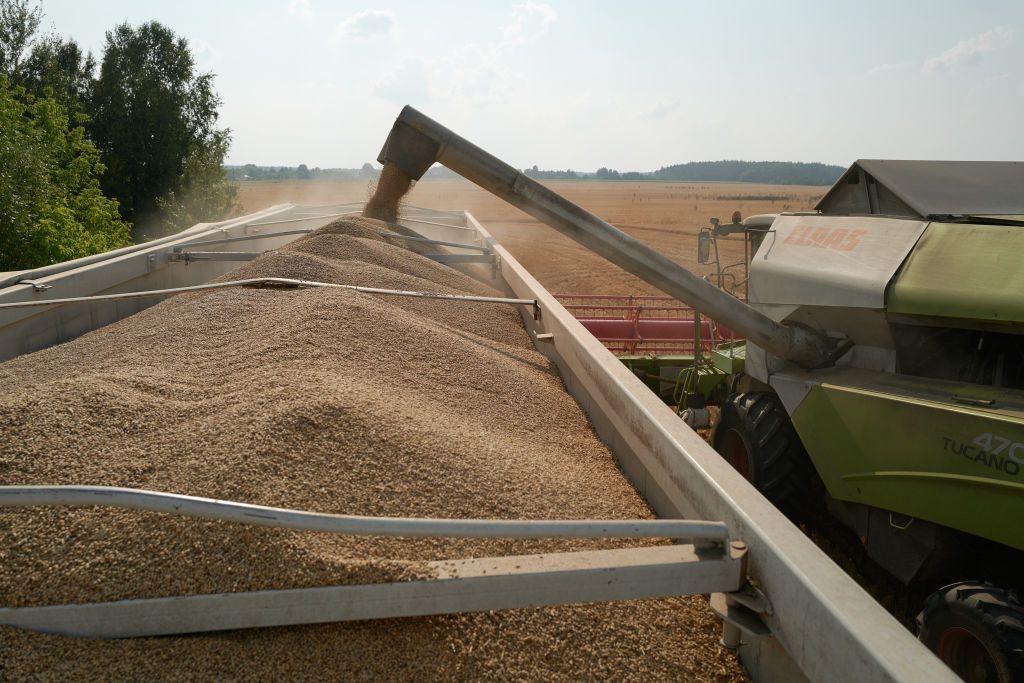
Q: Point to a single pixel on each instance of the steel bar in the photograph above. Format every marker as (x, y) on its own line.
(214, 255)
(417, 141)
(442, 243)
(268, 282)
(461, 258)
(260, 515)
(245, 238)
(474, 585)
(305, 218)
(443, 225)
(322, 207)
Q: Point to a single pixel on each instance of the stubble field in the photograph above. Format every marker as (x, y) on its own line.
(664, 216)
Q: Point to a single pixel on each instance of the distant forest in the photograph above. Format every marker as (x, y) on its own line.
(768, 172)
(765, 172)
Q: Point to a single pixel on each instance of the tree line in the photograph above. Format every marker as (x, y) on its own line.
(765, 172)
(96, 152)
(762, 172)
(300, 172)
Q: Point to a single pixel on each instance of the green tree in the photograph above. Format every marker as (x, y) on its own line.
(39, 61)
(154, 119)
(19, 25)
(62, 66)
(203, 192)
(51, 205)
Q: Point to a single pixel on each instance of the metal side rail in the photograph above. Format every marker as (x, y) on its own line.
(708, 564)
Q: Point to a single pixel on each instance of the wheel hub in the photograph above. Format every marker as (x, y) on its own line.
(734, 450)
(966, 655)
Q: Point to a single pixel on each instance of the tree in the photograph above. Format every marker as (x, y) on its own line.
(62, 66)
(154, 119)
(18, 27)
(302, 172)
(203, 192)
(51, 206)
(39, 62)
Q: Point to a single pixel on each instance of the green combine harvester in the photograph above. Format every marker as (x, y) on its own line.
(913, 436)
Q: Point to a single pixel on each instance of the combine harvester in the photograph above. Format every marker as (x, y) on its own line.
(790, 612)
(914, 438)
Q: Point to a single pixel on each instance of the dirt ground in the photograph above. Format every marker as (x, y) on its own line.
(665, 216)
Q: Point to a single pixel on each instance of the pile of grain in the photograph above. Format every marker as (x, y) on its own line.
(323, 400)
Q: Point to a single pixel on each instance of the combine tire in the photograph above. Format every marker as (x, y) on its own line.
(977, 630)
(755, 435)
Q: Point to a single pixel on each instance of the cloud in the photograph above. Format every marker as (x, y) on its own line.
(409, 83)
(663, 109)
(472, 73)
(969, 50)
(882, 68)
(529, 21)
(206, 55)
(468, 76)
(367, 24)
(299, 8)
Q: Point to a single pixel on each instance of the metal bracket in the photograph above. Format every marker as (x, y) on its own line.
(188, 256)
(36, 285)
(741, 614)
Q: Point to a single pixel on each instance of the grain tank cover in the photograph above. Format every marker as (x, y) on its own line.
(923, 189)
(845, 261)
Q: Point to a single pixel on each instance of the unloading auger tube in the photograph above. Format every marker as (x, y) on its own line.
(416, 142)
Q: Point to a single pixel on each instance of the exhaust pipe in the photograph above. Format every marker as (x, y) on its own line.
(416, 142)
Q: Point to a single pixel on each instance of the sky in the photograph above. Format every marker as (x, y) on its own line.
(582, 84)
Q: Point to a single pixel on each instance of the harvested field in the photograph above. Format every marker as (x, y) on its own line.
(330, 401)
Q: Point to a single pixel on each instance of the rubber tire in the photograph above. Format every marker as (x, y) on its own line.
(993, 616)
(777, 464)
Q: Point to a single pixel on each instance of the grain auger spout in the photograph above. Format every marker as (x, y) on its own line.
(416, 142)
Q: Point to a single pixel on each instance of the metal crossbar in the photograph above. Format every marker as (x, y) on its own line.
(473, 585)
(460, 258)
(406, 219)
(187, 256)
(244, 238)
(271, 282)
(261, 515)
(442, 243)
